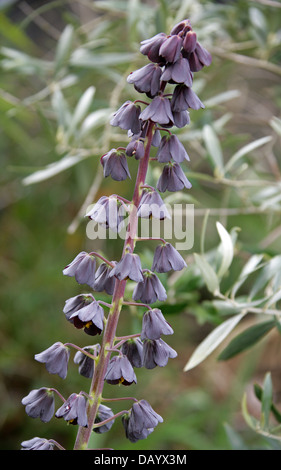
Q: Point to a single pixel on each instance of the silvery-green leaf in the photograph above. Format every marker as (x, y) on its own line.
(212, 341)
(275, 123)
(208, 273)
(226, 248)
(221, 98)
(213, 147)
(245, 150)
(81, 109)
(93, 120)
(63, 46)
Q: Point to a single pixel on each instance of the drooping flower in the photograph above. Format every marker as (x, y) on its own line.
(156, 353)
(37, 443)
(86, 364)
(179, 72)
(127, 117)
(120, 371)
(140, 421)
(56, 359)
(181, 118)
(184, 98)
(147, 79)
(109, 212)
(135, 148)
(171, 148)
(152, 205)
(199, 58)
(172, 179)
(151, 46)
(170, 48)
(166, 257)
(150, 289)
(103, 413)
(115, 165)
(154, 325)
(159, 110)
(82, 268)
(76, 303)
(129, 267)
(90, 318)
(74, 410)
(40, 404)
(102, 280)
(132, 349)
(189, 42)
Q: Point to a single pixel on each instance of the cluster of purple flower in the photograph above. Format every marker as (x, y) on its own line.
(173, 60)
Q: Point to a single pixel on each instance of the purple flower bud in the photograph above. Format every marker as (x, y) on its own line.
(127, 117)
(129, 267)
(132, 349)
(82, 268)
(150, 47)
(135, 148)
(172, 179)
(115, 165)
(120, 371)
(159, 110)
(102, 280)
(147, 79)
(40, 404)
(90, 318)
(190, 41)
(86, 364)
(150, 290)
(74, 410)
(181, 27)
(181, 118)
(109, 212)
(184, 98)
(170, 48)
(56, 358)
(76, 303)
(37, 443)
(199, 58)
(166, 257)
(156, 353)
(140, 421)
(179, 72)
(152, 205)
(103, 413)
(171, 148)
(154, 325)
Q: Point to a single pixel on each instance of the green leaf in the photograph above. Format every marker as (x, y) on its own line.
(227, 249)
(213, 147)
(246, 339)
(208, 273)
(246, 149)
(212, 341)
(266, 399)
(63, 47)
(259, 393)
(81, 109)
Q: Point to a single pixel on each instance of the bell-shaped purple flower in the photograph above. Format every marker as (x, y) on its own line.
(151, 46)
(159, 110)
(76, 303)
(56, 359)
(129, 267)
(86, 364)
(136, 149)
(190, 42)
(184, 98)
(90, 318)
(156, 353)
(199, 58)
(170, 49)
(103, 413)
(102, 280)
(109, 212)
(120, 371)
(179, 72)
(82, 268)
(147, 79)
(150, 290)
(74, 410)
(140, 421)
(152, 205)
(171, 148)
(40, 404)
(115, 165)
(154, 325)
(127, 117)
(172, 179)
(132, 349)
(37, 443)
(181, 118)
(166, 257)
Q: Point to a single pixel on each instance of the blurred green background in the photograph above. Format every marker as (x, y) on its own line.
(52, 54)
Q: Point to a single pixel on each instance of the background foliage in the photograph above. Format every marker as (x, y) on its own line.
(63, 71)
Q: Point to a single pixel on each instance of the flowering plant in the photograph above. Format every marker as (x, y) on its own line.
(174, 59)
